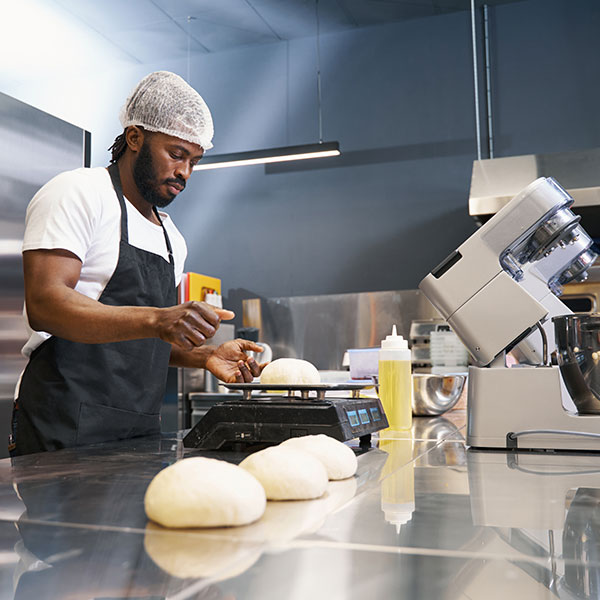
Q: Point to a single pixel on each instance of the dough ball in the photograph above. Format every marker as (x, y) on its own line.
(290, 371)
(287, 473)
(338, 459)
(204, 492)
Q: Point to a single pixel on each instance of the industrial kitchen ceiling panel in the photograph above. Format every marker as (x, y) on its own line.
(221, 25)
(150, 30)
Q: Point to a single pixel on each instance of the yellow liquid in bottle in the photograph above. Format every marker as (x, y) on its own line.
(395, 391)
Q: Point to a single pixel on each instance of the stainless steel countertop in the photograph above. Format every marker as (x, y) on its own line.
(485, 525)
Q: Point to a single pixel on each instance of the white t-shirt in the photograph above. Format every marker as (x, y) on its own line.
(79, 211)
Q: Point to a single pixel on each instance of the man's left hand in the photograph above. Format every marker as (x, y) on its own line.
(230, 363)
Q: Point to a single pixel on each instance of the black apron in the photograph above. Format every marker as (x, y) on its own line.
(73, 394)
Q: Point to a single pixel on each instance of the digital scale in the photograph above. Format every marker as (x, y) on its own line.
(268, 417)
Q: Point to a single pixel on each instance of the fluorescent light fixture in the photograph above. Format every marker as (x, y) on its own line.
(270, 155)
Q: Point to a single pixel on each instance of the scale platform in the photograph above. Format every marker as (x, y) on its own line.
(265, 417)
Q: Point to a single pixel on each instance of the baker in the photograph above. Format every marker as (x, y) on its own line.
(101, 266)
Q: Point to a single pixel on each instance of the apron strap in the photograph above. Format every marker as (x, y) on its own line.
(169, 249)
(113, 171)
(115, 177)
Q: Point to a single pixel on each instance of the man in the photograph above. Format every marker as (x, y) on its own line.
(101, 267)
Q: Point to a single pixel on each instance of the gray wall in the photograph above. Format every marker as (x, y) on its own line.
(546, 76)
(399, 98)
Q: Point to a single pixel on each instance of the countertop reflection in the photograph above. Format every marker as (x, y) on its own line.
(423, 518)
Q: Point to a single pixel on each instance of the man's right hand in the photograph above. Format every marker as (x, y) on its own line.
(189, 325)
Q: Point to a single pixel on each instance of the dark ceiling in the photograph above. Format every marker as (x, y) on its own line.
(150, 30)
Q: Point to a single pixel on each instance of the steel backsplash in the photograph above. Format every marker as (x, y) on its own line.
(321, 328)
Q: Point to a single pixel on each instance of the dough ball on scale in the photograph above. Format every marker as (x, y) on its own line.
(290, 371)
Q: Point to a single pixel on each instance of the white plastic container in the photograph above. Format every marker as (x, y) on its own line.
(364, 362)
(395, 381)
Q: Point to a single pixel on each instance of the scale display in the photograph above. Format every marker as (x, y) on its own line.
(353, 418)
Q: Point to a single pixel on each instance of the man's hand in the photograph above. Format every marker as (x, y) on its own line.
(54, 306)
(189, 325)
(230, 363)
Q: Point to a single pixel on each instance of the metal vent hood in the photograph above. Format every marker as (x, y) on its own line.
(496, 181)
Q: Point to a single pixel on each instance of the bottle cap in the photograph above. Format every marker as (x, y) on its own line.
(394, 341)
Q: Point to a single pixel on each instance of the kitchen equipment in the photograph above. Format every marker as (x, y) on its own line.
(201, 402)
(446, 350)
(262, 357)
(420, 329)
(495, 181)
(436, 348)
(262, 416)
(578, 354)
(252, 334)
(64, 146)
(420, 339)
(435, 394)
(584, 296)
(498, 291)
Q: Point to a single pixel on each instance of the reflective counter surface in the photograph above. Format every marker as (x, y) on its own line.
(423, 518)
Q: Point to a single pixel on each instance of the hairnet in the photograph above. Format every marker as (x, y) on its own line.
(164, 102)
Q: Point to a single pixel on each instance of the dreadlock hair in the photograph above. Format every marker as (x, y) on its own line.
(120, 144)
(118, 148)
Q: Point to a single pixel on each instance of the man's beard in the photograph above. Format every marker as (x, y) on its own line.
(146, 179)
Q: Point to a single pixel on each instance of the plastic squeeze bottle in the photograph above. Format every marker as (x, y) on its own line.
(395, 381)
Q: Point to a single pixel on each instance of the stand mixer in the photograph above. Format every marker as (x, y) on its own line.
(498, 291)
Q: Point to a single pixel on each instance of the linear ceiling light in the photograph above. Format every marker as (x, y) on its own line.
(270, 155)
(273, 155)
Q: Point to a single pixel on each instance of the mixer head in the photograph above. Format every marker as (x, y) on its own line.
(558, 229)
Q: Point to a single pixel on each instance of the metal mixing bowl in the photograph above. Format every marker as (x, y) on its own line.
(435, 394)
(578, 353)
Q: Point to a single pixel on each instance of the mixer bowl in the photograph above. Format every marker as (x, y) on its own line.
(578, 354)
(435, 394)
